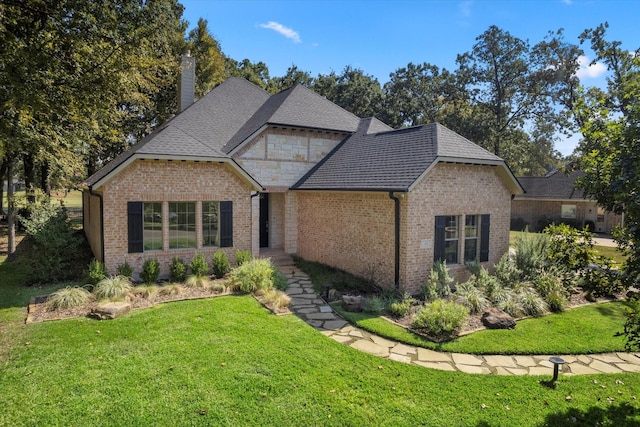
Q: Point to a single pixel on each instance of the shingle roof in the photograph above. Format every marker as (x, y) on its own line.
(391, 160)
(554, 185)
(297, 106)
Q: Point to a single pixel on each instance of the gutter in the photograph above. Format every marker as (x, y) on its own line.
(396, 269)
(101, 221)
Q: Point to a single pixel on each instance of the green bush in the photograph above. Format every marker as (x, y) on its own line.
(97, 272)
(68, 297)
(470, 296)
(532, 303)
(280, 282)
(150, 271)
(439, 283)
(220, 264)
(375, 304)
(145, 291)
(195, 281)
(601, 279)
(124, 269)
(198, 265)
(177, 270)
(242, 257)
(441, 318)
(55, 243)
(116, 287)
(507, 272)
(531, 253)
(403, 307)
(253, 275)
(556, 300)
(568, 248)
(632, 327)
(511, 305)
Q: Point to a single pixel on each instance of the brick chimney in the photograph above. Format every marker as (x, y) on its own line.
(187, 85)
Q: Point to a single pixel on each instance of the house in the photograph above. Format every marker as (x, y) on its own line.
(241, 169)
(555, 198)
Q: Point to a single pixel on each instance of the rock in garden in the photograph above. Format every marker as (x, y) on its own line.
(353, 303)
(110, 310)
(497, 319)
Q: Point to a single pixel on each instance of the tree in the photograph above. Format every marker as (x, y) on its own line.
(257, 73)
(292, 77)
(610, 148)
(352, 90)
(210, 62)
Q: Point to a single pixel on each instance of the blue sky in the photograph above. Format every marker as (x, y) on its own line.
(380, 36)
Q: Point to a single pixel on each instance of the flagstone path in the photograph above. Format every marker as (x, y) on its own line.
(310, 307)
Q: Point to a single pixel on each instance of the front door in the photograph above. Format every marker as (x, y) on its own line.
(264, 220)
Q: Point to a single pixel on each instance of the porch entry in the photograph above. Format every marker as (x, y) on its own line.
(272, 220)
(264, 220)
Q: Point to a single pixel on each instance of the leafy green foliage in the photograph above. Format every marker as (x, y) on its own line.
(375, 304)
(569, 248)
(470, 296)
(531, 253)
(116, 287)
(242, 257)
(403, 307)
(441, 318)
(150, 271)
(177, 270)
(220, 264)
(531, 302)
(68, 297)
(198, 265)
(253, 275)
(144, 291)
(507, 272)
(97, 271)
(196, 281)
(124, 269)
(279, 280)
(439, 283)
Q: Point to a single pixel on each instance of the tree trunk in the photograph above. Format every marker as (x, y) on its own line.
(3, 172)
(11, 222)
(45, 182)
(29, 176)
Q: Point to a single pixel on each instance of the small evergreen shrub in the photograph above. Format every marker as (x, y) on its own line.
(68, 297)
(217, 287)
(116, 287)
(242, 257)
(253, 275)
(441, 318)
(124, 269)
(280, 282)
(507, 272)
(150, 271)
(471, 297)
(569, 248)
(439, 283)
(375, 304)
(97, 272)
(403, 307)
(511, 305)
(198, 265)
(531, 253)
(556, 300)
(177, 270)
(221, 264)
(532, 303)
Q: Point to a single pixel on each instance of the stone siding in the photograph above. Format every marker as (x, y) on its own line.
(165, 181)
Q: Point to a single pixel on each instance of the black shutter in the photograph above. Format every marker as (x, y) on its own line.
(135, 227)
(438, 238)
(485, 222)
(226, 224)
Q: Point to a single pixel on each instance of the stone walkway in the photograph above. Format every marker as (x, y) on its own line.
(316, 312)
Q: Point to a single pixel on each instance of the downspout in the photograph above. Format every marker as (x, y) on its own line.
(396, 270)
(251, 204)
(101, 222)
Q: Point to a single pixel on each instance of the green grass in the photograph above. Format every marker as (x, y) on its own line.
(73, 199)
(205, 363)
(588, 329)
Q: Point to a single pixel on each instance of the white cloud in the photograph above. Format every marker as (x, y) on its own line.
(285, 31)
(587, 70)
(567, 2)
(465, 8)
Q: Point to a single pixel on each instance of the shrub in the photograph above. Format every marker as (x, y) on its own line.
(441, 318)
(403, 307)
(632, 327)
(511, 305)
(531, 253)
(150, 271)
(556, 300)
(145, 291)
(569, 248)
(375, 304)
(532, 304)
(507, 272)
(55, 242)
(471, 297)
(242, 257)
(198, 265)
(68, 297)
(97, 272)
(177, 270)
(253, 275)
(195, 281)
(113, 288)
(276, 299)
(439, 283)
(220, 264)
(280, 282)
(217, 287)
(601, 279)
(171, 289)
(124, 269)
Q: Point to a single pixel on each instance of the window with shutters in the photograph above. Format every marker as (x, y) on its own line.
(182, 225)
(447, 238)
(471, 235)
(152, 226)
(210, 224)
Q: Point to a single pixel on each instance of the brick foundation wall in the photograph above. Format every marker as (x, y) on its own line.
(164, 181)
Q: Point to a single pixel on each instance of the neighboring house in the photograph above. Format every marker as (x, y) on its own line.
(243, 169)
(555, 198)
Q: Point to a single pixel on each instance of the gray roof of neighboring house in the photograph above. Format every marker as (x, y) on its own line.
(554, 185)
(391, 160)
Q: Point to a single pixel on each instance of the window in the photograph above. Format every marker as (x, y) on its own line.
(568, 211)
(152, 226)
(182, 225)
(447, 236)
(210, 224)
(471, 229)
